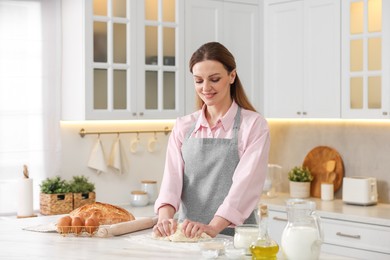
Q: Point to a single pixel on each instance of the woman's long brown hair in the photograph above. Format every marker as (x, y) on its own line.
(217, 52)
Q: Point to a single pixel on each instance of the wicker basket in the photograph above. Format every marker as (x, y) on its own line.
(81, 199)
(54, 204)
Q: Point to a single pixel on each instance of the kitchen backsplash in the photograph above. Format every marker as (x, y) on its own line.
(363, 145)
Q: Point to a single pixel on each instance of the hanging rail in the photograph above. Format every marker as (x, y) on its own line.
(83, 132)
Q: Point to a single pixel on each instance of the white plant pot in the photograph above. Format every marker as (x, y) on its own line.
(299, 190)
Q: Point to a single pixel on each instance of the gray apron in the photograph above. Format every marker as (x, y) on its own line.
(209, 165)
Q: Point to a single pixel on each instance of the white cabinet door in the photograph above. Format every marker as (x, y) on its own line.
(284, 65)
(241, 37)
(302, 53)
(235, 25)
(322, 92)
(202, 22)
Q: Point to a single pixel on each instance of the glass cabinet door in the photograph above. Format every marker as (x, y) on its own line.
(365, 95)
(160, 73)
(132, 64)
(111, 61)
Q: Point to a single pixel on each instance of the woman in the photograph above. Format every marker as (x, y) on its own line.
(216, 157)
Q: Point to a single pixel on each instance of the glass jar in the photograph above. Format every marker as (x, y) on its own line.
(245, 235)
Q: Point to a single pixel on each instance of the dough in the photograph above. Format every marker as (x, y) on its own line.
(180, 237)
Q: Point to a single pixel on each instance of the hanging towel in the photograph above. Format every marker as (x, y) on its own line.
(115, 159)
(97, 159)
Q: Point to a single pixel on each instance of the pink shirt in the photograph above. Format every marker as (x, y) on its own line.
(249, 176)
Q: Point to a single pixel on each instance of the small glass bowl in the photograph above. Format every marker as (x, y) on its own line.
(235, 253)
(212, 248)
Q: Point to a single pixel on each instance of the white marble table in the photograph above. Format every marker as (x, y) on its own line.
(16, 243)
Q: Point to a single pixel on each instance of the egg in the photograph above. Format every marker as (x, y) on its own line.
(77, 225)
(64, 225)
(91, 224)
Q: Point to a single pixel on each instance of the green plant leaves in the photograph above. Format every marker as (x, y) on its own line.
(79, 184)
(300, 174)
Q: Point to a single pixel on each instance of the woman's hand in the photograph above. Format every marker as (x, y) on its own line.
(192, 229)
(165, 227)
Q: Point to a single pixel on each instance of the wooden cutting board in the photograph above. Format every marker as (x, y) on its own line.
(316, 160)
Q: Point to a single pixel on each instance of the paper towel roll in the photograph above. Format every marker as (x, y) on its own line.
(25, 198)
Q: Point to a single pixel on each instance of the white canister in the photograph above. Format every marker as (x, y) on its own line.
(245, 235)
(327, 191)
(150, 187)
(139, 198)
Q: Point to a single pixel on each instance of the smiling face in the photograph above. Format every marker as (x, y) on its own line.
(212, 83)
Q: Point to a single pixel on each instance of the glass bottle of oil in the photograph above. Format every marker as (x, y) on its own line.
(264, 248)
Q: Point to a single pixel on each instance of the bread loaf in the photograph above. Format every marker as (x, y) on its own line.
(107, 214)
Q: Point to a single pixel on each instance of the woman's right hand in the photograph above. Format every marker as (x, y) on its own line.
(165, 227)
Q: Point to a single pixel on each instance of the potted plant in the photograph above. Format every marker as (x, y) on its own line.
(83, 191)
(300, 178)
(55, 197)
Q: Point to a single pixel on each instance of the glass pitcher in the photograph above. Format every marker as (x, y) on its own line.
(303, 235)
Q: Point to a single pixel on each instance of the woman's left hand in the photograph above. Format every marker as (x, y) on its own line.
(192, 229)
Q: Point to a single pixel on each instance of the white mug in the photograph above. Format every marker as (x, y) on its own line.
(153, 145)
(135, 145)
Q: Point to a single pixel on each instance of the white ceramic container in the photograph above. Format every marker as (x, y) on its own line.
(150, 187)
(139, 198)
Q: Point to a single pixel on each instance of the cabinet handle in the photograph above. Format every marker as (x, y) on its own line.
(141, 113)
(134, 114)
(298, 113)
(304, 113)
(280, 219)
(346, 235)
(384, 113)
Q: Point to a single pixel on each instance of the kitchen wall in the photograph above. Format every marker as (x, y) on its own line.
(111, 186)
(363, 145)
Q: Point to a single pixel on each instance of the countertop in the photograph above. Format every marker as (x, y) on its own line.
(17, 243)
(378, 214)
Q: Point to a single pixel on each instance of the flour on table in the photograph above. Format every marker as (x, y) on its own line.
(180, 237)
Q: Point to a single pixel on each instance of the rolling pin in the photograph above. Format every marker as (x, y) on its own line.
(126, 227)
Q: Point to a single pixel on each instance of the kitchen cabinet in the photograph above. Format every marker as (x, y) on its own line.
(355, 239)
(349, 230)
(302, 59)
(235, 24)
(122, 59)
(366, 59)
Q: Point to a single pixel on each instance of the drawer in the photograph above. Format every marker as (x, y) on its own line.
(357, 235)
(353, 252)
